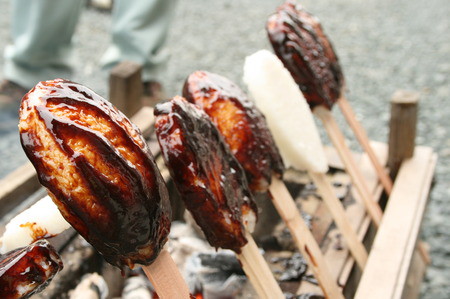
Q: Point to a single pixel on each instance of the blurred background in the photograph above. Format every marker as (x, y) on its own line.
(383, 46)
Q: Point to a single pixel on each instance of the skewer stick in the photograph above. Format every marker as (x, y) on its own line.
(337, 211)
(165, 277)
(338, 140)
(303, 238)
(361, 136)
(257, 270)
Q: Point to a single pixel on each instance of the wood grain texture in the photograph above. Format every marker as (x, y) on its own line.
(125, 87)
(338, 140)
(258, 272)
(363, 140)
(166, 278)
(303, 238)
(397, 236)
(402, 133)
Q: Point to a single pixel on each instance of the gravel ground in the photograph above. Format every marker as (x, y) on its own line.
(383, 46)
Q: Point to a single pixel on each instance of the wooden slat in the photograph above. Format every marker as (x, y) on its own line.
(16, 186)
(340, 260)
(144, 120)
(393, 248)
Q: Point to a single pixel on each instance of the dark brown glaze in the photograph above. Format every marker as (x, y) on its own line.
(98, 169)
(210, 180)
(300, 43)
(28, 270)
(241, 124)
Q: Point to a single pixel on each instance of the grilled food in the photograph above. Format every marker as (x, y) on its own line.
(210, 180)
(28, 270)
(97, 169)
(299, 41)
(241, 124)
(267, 81)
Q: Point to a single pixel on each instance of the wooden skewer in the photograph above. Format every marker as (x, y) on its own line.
(383, 176)
(361, 136)
(338, 140)
(340, 218)
(165, 277)
(303, 237)
(257, 271)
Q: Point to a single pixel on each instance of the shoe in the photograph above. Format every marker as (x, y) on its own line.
(10, 95)
(152, 93)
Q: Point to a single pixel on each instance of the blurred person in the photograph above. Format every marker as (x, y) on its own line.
(42, 46)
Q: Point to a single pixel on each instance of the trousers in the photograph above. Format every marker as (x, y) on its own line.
(42, 32)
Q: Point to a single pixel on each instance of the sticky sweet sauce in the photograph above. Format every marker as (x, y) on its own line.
(210, 180)
(300, 43)
(28, 270)
(241, 124)
(98, 170)
(37, 232)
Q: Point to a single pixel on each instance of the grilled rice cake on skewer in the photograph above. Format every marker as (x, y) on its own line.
(241, 124)
(291, 120)
(299, 41)
(210, 180)
(28, 270)
(213, 186)
(102, 176)
(97, 169)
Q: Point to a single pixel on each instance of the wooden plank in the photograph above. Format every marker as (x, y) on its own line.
(396, 238)
(125, 87)
(16, 187)
(414, 243)
(144, 120)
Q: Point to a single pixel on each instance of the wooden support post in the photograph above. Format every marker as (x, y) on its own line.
(125, 87)
(402, 134)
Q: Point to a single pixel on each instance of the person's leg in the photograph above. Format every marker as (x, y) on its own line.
(42, 40)
(139, 32)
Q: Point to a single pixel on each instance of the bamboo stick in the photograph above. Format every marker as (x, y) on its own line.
(166, 278)
(338, 140)
(257, 271)
(361, 136)
(303, 238)
(340, 218)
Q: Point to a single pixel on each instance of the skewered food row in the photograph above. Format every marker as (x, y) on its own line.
(100, 173)
(65, 116)
(213, 186)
